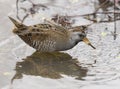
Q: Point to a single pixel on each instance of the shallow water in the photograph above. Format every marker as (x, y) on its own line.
(79, 68)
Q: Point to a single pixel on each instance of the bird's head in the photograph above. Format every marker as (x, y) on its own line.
(78, 35)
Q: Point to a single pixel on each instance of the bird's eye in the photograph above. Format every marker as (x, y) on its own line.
(81, 35)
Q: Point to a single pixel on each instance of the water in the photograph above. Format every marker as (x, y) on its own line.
(82, 67)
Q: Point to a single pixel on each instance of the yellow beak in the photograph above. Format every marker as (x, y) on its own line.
(88, 42)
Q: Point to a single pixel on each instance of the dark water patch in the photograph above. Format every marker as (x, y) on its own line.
(49, 65)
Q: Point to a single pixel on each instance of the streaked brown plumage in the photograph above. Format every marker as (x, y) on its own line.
(49, 37)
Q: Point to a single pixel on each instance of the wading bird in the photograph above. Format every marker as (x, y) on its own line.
(49, 37)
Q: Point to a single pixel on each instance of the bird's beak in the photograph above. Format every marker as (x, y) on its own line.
(88, 42)
(16, 23)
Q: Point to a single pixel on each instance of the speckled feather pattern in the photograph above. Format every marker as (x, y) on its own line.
(44, 37)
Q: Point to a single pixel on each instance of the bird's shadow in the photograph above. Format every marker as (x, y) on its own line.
(51, 65)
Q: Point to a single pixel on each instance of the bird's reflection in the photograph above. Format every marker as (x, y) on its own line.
(50, 65)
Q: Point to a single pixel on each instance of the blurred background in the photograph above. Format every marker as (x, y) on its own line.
(81, 67)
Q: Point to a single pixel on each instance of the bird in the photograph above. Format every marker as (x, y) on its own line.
(49, 37)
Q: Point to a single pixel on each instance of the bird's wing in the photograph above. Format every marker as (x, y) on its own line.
(40, 34)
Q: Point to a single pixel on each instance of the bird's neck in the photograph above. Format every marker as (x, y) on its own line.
(72, 42)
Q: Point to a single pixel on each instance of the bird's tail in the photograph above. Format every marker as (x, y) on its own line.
(18, 26)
